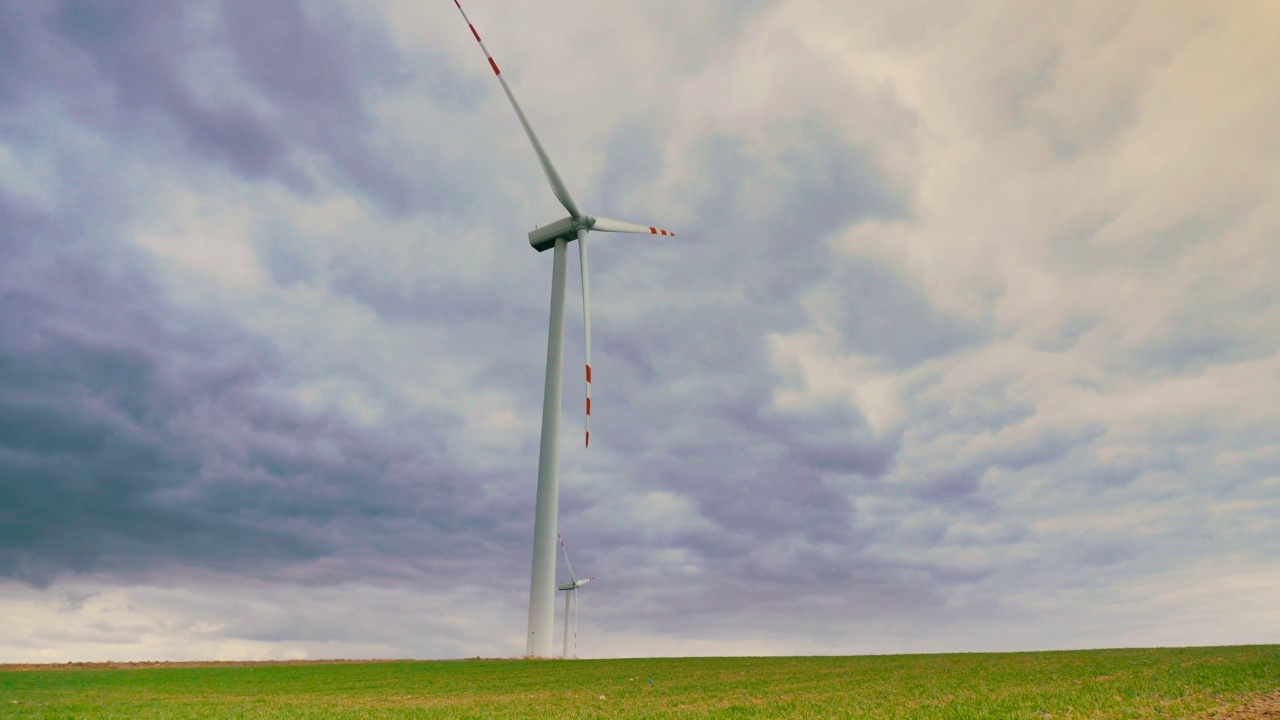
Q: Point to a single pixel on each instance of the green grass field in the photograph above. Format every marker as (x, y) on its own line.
(1164, 683)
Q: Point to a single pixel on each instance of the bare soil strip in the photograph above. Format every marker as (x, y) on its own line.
(1257, 707)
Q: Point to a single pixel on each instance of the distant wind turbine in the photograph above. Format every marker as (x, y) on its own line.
(556, 236)
(570, 590)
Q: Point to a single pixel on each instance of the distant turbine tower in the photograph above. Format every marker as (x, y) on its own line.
(557, 236)
(570, 590)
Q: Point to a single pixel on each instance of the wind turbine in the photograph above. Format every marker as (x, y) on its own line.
(570, 590)
(556, 237)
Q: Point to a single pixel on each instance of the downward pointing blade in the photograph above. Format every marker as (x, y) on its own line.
(586, 323)
(553, 177)
(620, 226)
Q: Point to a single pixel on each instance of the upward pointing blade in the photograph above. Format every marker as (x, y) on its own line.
(553, 177)
(563, 549)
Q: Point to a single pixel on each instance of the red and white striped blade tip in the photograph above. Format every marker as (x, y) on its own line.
(492, 63)
(622, 226)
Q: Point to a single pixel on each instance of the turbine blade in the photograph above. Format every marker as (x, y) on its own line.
(563, 549)
(553, 177)
(586, 321)
(620, 226)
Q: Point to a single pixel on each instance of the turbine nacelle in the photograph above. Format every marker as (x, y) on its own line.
(574, 585)
(544, 238)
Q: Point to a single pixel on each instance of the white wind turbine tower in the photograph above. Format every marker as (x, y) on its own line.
(556, 236)
(570, 590)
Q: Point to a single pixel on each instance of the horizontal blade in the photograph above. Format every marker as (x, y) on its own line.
(619, 226)
(553, 177)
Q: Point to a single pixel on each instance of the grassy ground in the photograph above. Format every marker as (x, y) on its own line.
(1167, 683)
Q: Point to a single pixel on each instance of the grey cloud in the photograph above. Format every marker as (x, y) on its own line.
(685, 388)
(837, 438)
(83, 447)
(283, 53)
(951, 484)
(314, 75)
(632, 158)
(74, 600)
(145, 441)
(432, 301)
(1211, 327)
(1193, 346)
(22, 52)
(961, 478)
(985, 408)
(730, 14)
(1104, 554)
(310, 81)
(138, 49)
(1115, 473)
(1068, 332)
(734, 594)
(1046, 446)
(86, 413)
(783, 207)
(135, 436)
(287, 258)
(880, 313)
(707, 338)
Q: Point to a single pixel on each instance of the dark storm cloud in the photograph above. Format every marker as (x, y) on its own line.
(136, 69)
(135, 436)
(85, 406)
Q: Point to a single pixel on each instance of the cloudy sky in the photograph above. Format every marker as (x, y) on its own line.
(969, 339)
